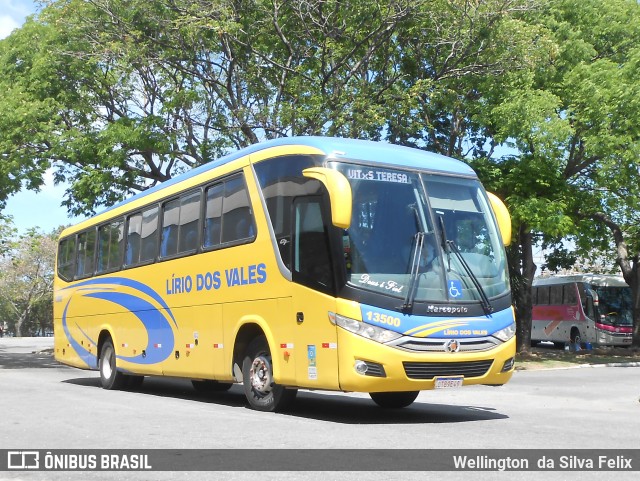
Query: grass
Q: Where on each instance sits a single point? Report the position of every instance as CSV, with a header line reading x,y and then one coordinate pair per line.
x,y
549,358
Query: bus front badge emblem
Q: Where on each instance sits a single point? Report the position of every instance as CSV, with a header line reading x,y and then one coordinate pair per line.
x,y
452,346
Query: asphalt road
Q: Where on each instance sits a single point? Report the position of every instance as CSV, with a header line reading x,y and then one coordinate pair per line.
x,y
48,406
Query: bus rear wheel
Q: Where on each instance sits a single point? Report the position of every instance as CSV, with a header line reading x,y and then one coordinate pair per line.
x,y
394,400
260,388
110,377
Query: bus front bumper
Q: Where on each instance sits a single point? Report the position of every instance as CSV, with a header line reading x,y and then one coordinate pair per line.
x,y
368,366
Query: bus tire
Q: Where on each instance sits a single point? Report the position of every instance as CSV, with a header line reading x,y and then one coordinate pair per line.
x,y
110,377
575,339
394,400
206,386
260,389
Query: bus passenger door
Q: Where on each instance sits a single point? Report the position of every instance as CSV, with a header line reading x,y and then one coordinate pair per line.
x,y
312,295
591,308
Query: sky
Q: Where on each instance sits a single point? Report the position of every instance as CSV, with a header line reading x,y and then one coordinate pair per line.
x,y
32,209
41,209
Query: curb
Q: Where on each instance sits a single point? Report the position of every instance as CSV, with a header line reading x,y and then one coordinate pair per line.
x,y
584,366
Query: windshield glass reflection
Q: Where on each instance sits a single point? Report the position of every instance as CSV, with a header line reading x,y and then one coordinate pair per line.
x,y
615,306
397,242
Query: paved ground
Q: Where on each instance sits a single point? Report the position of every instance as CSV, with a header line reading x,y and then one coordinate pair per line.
x,y
49,406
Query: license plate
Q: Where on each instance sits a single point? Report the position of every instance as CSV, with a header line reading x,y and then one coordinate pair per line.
x,y
448,382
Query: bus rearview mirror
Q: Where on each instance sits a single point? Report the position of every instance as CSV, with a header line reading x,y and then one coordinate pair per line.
x,y
339,193
502,216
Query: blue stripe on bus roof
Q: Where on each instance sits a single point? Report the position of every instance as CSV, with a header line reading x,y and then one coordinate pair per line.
x,y
364,150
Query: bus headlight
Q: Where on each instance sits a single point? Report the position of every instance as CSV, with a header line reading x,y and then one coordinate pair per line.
x,y
506,333
365,330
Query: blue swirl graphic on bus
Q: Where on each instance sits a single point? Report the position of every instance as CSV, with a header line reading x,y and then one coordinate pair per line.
x,y
123,281
156,321
89,358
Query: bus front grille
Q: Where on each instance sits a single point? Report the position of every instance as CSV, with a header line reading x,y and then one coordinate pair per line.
x,y
438,345
429,370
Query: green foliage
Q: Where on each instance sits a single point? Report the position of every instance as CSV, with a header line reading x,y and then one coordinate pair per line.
x,y
559,258
26,282
119,95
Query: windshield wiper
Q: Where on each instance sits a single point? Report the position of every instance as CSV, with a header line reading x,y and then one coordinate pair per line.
x,y
484,299
415,272
450,246
444,241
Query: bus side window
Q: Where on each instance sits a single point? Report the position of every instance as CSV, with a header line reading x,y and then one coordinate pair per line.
x,y
228,217
555,295
170,222
213,216
66,251
543,295
149,235
237,222
189,217
110,243
281,181
311,254
86,253
132,250
570,297
586,298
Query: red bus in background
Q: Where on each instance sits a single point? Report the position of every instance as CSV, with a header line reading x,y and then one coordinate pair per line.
x,y
580,309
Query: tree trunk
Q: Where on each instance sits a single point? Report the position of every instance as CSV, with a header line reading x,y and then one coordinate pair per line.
x,y
522,279
633,279
19,322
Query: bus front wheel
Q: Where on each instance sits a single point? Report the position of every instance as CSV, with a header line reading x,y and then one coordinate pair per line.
x,y
394,400
110,377
260,388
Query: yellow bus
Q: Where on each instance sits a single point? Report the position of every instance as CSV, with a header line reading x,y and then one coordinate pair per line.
x,y
304,262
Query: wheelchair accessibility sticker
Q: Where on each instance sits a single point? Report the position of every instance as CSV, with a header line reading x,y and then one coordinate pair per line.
x,y
455,289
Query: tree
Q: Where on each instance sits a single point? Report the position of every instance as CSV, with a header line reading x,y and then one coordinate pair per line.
x,y
120,95
576,171
452,56
474,91
557,85
26,282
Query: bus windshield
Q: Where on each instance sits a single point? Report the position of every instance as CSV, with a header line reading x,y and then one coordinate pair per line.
x,y
422,237
615,305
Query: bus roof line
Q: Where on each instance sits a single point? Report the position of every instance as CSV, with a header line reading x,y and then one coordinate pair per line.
x,y
364,150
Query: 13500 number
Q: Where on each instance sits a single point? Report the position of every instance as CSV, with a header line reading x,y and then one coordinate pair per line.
x,y
383,319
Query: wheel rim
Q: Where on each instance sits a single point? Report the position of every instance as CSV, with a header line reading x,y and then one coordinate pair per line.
x,y
260,375
106,368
